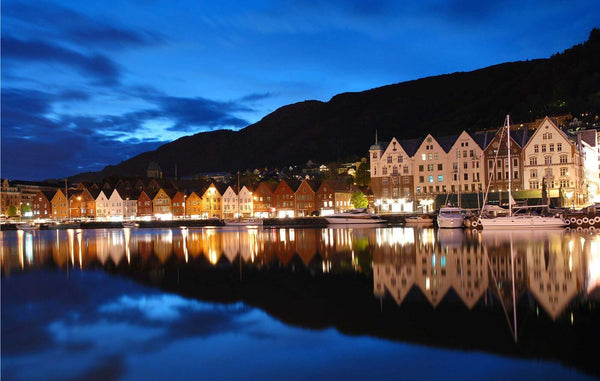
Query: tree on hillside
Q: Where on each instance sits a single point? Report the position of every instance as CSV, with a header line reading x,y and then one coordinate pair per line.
x,y
363,177
359,200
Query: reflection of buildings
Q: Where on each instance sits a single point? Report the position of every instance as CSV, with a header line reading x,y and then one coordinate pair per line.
x,y
435,264
554,268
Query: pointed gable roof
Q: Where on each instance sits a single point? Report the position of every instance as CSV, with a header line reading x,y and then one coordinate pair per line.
x,y
48,194
446,142
482,138
411,146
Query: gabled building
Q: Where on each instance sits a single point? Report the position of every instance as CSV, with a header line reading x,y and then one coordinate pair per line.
x,y
245,205
115,208
465,168
262,200
102,203
305,200
284,199
60,206
230,203
496,160
82,204
212,201
552,158
9,196
392,177
162,203
334,197
193,205
42,204
179,204
144,204
431,170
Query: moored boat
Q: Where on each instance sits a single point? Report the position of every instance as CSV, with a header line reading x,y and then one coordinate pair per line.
x,y
244,222
29,226
450,217
420,220
354,216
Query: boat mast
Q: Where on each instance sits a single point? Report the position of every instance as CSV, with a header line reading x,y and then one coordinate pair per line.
x,y
458,168
509,166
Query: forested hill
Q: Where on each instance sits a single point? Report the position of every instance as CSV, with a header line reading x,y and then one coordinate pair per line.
x,y
346,125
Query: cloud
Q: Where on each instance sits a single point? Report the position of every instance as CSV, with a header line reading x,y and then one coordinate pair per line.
x,y
32,124
97,65
69,26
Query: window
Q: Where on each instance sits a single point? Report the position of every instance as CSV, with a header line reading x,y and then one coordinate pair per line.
x,y
383,182
429,156
405,180
465,165
532,160
418,190
563,171
440,167
564,183
423,157
490,163
389,159
400,159
421,179
374,155
429,167
384,170
547,159
536,148
563,159
551,147
515,162
543,148
534,185
466,176
430,178
435,156
395,170
471,154
464,153
420,168
405,169
559,147
516,174
440,178
533,173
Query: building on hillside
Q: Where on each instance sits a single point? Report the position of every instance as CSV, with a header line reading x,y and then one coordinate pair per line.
x,y
154,171
82,204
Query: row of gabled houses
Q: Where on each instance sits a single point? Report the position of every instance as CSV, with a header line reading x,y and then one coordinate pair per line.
x,y
158,199
408,175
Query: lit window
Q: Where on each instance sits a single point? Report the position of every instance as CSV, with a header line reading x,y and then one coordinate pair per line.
x,y
430,178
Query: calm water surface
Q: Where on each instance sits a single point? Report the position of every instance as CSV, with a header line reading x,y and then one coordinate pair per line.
x,y
368,303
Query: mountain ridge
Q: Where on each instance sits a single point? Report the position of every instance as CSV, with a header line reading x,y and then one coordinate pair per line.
x,y
345,125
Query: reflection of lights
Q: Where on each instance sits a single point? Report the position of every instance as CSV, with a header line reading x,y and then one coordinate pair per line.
x,y
20,248
427,283
594,263
184,236
126,235
71,245
79,234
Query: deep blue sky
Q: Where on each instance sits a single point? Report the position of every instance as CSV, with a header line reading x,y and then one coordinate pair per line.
x,y
87,84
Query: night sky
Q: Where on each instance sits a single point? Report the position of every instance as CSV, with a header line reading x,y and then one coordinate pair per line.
x,y
88,84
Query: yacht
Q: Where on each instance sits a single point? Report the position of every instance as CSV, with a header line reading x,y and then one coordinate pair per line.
x,y
354,216
519,221
450,217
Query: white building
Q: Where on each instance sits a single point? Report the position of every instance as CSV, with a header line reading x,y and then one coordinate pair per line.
x,y
102,205
230,203
245,205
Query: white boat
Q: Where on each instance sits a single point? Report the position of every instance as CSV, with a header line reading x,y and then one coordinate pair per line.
x,y
518,221
450,217
244,222
28,226
130,224
354,216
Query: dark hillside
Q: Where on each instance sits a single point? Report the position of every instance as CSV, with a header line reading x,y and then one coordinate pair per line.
x,y
346,125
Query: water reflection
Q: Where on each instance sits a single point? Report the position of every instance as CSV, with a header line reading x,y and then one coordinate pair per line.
x,y
550,267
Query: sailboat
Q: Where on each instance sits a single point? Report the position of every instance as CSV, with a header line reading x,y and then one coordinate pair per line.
x,y
518,221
